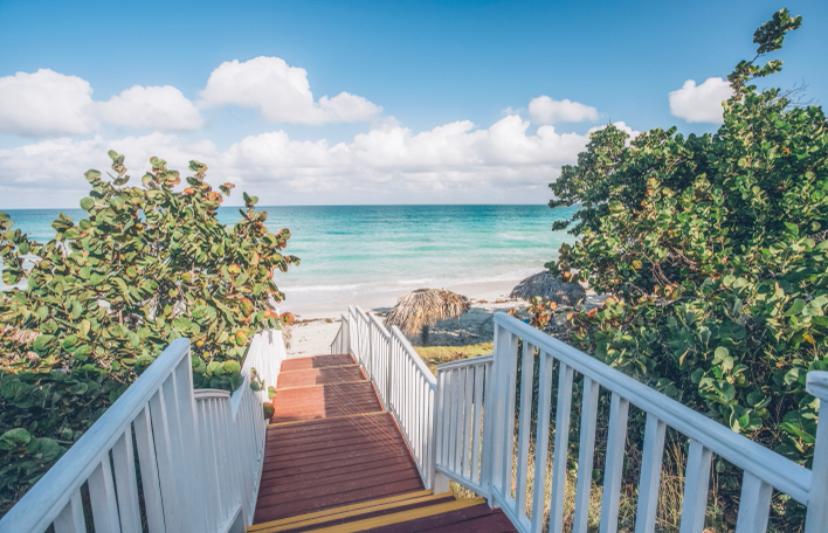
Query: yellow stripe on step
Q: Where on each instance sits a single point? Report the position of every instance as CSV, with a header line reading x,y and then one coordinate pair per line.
x,y
402,516
266,526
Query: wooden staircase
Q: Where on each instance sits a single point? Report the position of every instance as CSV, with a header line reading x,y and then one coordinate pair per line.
x,y
335,461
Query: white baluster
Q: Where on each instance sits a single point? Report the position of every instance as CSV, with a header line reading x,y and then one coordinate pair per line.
x,y
439,413
164,450
468,427
71,519
696,484
461,420
586,454
525,419
616,440
563,412
102,498
150,484
541,439
754,505
126,483
479,375
649,483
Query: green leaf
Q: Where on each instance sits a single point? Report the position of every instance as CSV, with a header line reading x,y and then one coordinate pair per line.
x,y
15,438
42,343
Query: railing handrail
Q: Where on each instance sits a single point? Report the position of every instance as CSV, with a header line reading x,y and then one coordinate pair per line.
x,y
78,463
767,465
414,356
166,442
378,323
469,361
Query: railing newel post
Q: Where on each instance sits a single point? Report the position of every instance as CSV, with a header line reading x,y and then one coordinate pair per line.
x,y
816,520
491,388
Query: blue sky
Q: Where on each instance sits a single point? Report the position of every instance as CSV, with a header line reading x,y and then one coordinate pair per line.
x,y
424,64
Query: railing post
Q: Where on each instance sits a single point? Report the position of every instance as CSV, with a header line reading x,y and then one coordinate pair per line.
x,y
439,481
388,359
346,334
816,520
490,404
370,336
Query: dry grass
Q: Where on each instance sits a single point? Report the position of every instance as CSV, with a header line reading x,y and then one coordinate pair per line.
x,y
668,515
437,355
421,308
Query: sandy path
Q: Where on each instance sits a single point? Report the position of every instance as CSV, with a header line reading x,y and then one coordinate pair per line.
x,y
312,337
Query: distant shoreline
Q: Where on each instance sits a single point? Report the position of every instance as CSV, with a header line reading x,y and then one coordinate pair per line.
x,y
481,293
268,206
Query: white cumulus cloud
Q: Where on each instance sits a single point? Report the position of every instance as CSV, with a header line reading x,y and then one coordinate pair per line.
x,y
700,103
45,102
281,93
507,160
545,110
161,107
48,103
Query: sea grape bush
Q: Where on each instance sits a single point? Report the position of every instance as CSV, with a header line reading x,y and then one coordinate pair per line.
x,y
713,250
93,306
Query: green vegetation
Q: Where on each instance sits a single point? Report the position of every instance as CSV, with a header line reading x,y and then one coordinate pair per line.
x,y
713,249
95,304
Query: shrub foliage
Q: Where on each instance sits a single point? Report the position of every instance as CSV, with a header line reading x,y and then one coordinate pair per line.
x,y
93,306
713,250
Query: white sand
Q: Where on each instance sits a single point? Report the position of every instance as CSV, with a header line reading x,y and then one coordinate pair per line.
x,y
333,302
312,337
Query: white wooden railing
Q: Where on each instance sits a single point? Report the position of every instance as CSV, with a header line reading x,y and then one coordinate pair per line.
x,y
404,383
485,425
461,390
163,457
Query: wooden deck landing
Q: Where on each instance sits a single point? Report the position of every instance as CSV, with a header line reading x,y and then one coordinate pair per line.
x,y
335,460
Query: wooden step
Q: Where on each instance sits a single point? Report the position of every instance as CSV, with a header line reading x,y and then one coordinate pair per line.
x,y
319,376
313,425
316,361
352,512
322,401
318,464
472,519
401,517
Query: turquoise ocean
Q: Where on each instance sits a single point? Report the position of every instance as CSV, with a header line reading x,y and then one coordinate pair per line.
x,y
370,255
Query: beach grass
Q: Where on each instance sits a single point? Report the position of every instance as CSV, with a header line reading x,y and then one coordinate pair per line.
x,y
437,355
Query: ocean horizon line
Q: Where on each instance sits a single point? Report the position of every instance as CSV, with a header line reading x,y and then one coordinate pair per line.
x,y
265,206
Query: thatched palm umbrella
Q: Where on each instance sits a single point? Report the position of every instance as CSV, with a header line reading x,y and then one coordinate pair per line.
x,y
419,309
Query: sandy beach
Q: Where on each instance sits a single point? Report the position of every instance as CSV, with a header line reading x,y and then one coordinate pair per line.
x,y
313,335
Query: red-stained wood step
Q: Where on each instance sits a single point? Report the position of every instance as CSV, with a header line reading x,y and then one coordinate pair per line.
x,y
322,401
319,376
331,444
265,513
471,519
319,361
